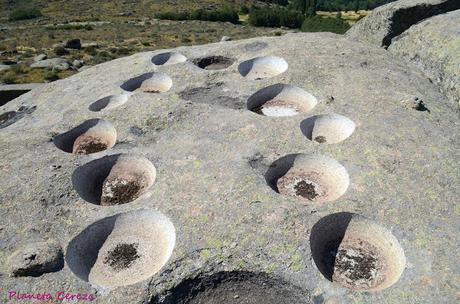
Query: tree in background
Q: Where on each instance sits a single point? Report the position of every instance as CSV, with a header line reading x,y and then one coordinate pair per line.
x,y
307,7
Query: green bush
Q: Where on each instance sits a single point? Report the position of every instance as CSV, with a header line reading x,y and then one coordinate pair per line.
x,y
90,50
51,76
19,69
275,17
60,51
123,51
9,78
71,27
224,15
244,9
318,24
25,13
103,56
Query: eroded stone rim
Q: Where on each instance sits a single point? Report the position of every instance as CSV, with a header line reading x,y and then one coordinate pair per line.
x,y
152,82
342,239
152,232
311,178
168,58
327,128
262,67
245,283
281,100
115,179
91,136
109,102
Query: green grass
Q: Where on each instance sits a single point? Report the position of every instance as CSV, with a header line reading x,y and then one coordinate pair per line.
x,y
24,14
320,24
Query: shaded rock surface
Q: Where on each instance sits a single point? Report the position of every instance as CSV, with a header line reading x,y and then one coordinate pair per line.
x,y
425,32
391,20
434,46
72,44
35,259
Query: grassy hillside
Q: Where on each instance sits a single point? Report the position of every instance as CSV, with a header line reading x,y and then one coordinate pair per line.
x,y
114,28
108,9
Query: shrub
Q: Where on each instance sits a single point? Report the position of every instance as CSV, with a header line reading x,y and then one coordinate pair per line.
x,y
9,78
275,17
51,76
244,9
123,51
103,56
19,69
91,50
60,51
224,15
25,13
318,24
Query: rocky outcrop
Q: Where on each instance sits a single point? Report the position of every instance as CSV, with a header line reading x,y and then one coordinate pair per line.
x,y
221,159
59,64
11,91
434,46
425,32
391,20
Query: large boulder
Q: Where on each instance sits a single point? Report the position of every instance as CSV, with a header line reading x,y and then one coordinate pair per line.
x,y
219,159
389,21
59,64
434,46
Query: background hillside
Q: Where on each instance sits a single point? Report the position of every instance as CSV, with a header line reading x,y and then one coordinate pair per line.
x,y
109,29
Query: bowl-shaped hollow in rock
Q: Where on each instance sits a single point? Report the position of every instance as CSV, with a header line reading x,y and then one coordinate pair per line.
x,y
122,249
262,67
281,100
355,252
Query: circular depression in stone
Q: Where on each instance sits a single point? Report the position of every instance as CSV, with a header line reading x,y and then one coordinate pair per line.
x,y
213,62
356,252
114,180
234,287
168,58
262,67
312,178
122,249
148,83
328,128
280,100
109,102
94,135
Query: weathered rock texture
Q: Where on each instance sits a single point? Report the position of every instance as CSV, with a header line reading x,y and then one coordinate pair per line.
x,y
391,20
434,46
422,31
214,160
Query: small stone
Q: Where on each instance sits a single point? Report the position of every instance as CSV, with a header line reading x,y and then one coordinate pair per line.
x,y
35,259
90,44
77,63
73,44
40,57
59,64
4,67
225,38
